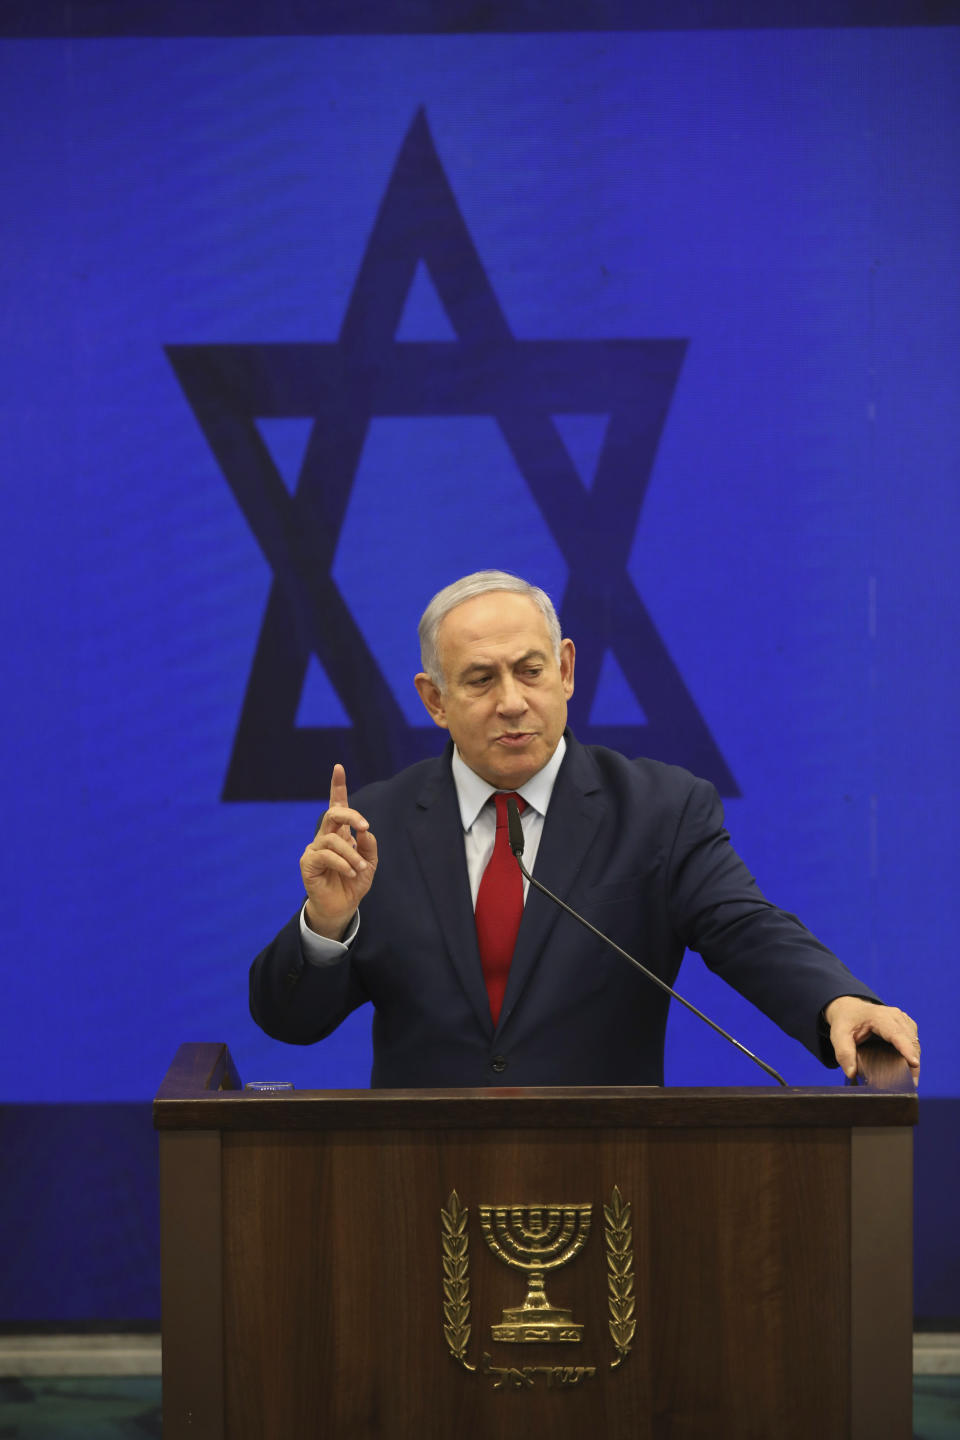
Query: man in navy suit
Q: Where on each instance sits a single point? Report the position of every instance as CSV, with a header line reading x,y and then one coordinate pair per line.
x,y
636,846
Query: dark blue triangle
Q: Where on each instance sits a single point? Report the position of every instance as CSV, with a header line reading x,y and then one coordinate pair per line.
x,y
320,705
614,702
424,317
287,440
583,436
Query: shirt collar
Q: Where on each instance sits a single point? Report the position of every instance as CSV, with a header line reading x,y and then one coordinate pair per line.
x,y
473,793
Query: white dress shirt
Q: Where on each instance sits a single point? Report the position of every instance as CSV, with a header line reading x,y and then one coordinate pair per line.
x,y
479,822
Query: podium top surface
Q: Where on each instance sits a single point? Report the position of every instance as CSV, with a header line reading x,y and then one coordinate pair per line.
x,y
201,1091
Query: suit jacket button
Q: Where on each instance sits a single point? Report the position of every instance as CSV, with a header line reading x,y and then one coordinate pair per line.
x,y
499,1064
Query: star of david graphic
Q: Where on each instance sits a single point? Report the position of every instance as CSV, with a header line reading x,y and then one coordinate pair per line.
x,y
339,387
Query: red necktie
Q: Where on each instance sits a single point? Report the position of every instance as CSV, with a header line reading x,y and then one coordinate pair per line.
x,y
499,908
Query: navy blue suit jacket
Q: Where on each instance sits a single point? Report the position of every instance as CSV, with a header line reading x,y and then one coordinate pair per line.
x,y
638,847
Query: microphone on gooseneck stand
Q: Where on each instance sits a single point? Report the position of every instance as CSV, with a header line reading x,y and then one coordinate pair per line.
x,y
515,830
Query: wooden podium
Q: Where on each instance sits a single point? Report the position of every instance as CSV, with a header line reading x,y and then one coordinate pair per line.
x,y
478,1264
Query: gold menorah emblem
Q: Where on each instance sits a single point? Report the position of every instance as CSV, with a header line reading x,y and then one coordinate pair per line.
x,y
536,1238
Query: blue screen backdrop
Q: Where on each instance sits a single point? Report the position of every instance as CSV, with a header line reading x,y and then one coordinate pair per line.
x,y
296,330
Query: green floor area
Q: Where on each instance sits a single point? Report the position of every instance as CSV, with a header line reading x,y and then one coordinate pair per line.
x,y
936,1407
128,1408
118,1407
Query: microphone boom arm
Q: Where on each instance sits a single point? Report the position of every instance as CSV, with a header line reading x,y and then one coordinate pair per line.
x,y
516,845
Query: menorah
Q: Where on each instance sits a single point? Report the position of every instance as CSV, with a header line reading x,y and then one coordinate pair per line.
x,y
549,1236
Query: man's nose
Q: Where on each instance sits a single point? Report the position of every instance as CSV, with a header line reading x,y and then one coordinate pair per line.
x,y
511,700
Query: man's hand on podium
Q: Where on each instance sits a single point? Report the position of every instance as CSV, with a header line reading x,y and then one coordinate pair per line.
x,y
339,864
852,1020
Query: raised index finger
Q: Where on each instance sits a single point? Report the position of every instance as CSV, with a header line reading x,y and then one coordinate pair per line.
x,y
338,786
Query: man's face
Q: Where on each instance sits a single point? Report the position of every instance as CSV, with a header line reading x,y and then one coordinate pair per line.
x,y
504,698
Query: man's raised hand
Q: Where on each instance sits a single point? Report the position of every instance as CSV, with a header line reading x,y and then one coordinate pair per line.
x,y
339,864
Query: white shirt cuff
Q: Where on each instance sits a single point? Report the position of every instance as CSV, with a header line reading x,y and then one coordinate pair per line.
x,y
321,951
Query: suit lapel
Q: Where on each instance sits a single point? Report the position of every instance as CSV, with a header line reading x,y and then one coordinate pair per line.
x,y
436,833
572,821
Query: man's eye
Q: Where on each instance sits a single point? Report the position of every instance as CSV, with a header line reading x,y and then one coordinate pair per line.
x,y
532,671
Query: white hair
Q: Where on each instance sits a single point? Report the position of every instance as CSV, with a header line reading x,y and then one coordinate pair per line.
x,y
480,583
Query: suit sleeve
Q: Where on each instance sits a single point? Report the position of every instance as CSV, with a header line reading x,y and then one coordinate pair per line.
x,y
765,953
298,1002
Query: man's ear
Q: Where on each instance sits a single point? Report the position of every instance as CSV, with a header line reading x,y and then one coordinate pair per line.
x,y
432,697
568,656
